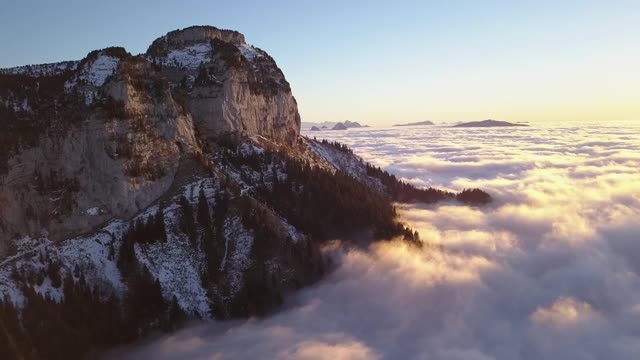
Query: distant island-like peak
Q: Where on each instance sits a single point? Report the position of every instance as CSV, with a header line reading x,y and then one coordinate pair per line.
x,y
339,126
420,123
327,125
488,123
353,124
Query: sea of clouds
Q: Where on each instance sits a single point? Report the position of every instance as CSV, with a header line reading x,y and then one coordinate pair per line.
x,y
550,270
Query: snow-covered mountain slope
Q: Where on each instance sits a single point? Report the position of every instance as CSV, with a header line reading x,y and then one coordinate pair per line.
x,y
92,74
178,262
345,161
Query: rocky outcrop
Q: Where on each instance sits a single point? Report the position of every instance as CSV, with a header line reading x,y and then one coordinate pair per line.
x,y
118,158
191,36
230,86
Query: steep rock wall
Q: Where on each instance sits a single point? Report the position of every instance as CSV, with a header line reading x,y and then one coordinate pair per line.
x,y
86,141
231,86
120,155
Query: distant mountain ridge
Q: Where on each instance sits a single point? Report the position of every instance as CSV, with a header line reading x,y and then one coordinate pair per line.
x,y
353,124
320,125
421,123
327,125
489,123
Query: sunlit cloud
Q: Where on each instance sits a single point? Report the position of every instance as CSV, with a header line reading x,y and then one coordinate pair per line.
x,y
333,349
564,312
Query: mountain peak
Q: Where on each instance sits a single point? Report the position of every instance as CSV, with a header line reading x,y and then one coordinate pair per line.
x,y
488,123
132,117
194,35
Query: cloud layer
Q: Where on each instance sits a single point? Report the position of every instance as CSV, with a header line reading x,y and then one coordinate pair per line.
x,y
551,270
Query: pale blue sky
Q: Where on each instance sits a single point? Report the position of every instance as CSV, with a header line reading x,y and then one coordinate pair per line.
x,y
383,61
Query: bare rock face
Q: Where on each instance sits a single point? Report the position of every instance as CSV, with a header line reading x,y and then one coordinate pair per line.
x,y
113,152
194,35
231,87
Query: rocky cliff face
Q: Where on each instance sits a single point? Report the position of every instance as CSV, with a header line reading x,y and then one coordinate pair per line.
x,y
113,151
231,87
87,141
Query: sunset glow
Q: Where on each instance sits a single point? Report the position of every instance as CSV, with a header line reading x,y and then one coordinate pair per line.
x,y
320,180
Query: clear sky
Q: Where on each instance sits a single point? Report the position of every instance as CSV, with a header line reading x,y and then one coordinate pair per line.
x,y
382,62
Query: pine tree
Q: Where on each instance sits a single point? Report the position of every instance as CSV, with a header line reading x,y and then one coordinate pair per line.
x,y
127,256
204,218
187,223
173,316
144,302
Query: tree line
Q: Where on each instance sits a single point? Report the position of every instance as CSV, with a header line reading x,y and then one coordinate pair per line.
x,y
401,191
86,320
319,202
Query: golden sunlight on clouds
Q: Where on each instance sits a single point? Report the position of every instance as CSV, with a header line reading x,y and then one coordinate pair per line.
x,y
427,268
338,349
456,227
412,266
565,311
174,344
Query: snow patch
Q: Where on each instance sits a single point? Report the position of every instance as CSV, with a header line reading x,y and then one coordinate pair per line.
x,y
248,148
189,57
9,289
100,70
93,75
249,52
96,256
177,268
240,240
94,211
24,247
29,244
175,263
192,191
46,289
